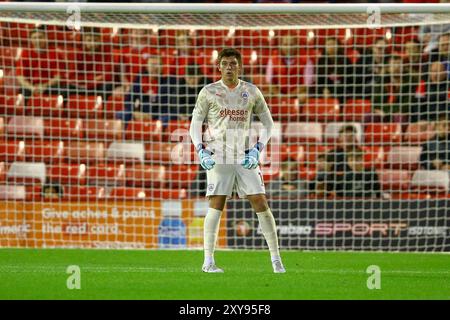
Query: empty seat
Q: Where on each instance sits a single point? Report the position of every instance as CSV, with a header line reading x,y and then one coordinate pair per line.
x,y
84,193
356,109
383,133
85,152
431,180
321,109
145,130
419,132
74,174
176,129
27,172
145,175
374,156
292,152
304,132
394,179
311,153
61,128
284,108
114,104
10,192
25,127
180,176
11,151
84,106
126,152
403,157
44,151
106,174
128,193
45,105
103,129
159,152
12,105
331,133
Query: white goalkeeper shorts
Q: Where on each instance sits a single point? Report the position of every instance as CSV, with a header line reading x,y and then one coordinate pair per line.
x,y
223,179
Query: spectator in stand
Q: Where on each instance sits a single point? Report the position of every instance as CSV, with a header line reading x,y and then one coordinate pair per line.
x,y
334,72
149,96
289,70
347,142
323,182
370,64
51,191
436,152
185,92
442,53
184,53
142,44
37,70
92,69
413,59
357,181
394,94
288,184
436,99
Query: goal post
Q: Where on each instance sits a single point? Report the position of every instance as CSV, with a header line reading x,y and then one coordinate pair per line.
x,y
95,107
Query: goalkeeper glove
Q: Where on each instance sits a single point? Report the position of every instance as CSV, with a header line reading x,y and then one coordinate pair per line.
x,y
251,160
206,161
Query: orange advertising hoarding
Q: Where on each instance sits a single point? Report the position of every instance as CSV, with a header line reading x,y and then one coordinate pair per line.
x,y
130,225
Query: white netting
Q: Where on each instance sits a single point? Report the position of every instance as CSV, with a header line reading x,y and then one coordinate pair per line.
x,y
94,148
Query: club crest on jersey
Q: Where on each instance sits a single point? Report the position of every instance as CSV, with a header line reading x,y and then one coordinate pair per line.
x,y
245,95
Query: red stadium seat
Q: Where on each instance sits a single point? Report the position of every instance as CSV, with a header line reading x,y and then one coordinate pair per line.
x,y
270,173
394,180
159,152
419,132
293,152
431,180
84,106
11,105
9,56
126,152
114,104
61,128
74,174
410,196
45,105
85,152
356,110
383,133
374,156
11,192
177,129
145,176
321,109
25,127
304,132
284,108
11,151
44,151
103,129
148,130
2,127
307,173
27,172
403,157
312,151
180,176
106,174
84,193
128,193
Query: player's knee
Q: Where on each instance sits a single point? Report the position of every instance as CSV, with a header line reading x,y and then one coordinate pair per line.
x,y
217,202
259,202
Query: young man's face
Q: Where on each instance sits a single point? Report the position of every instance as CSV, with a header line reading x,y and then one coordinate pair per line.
x,y
444,45
442,128
230,69
91,42
153,66
38,40
438,72
347,138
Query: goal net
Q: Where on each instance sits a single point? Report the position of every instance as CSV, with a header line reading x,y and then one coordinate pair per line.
x,y
95,108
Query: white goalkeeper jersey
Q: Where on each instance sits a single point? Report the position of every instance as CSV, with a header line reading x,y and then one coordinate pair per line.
x,y
228,114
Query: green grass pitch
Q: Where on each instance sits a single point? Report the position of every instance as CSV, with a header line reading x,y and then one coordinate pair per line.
x,y
161,275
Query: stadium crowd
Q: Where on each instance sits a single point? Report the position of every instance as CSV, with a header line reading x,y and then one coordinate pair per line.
x,y
402,73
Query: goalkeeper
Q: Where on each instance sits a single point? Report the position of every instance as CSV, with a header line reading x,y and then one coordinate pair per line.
x,y
228,106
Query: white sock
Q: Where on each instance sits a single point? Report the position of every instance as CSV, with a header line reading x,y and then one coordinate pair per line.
x,y
210,233
269,230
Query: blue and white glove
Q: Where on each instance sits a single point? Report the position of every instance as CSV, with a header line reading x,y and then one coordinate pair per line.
x,y
251,160
206,161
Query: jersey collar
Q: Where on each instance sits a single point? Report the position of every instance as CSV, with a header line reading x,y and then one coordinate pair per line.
x,y
224,85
